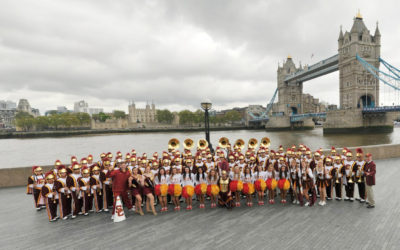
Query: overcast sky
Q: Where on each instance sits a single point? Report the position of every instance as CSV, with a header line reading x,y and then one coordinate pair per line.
x,y
176,53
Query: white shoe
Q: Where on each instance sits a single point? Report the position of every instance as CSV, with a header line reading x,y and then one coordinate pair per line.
x,y
105,210
320,203
65,218
73,216
86,214
307,203
52,220
132,209
297,202
294,202
323,203
112,217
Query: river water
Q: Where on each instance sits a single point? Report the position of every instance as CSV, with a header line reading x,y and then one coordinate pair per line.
x,y
44,151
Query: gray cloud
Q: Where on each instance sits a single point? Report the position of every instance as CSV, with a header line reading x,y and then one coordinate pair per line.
x,y
173,52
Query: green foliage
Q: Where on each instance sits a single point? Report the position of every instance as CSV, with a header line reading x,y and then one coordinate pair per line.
x,y
186,117
53,121
103,117
24,121
165,116
233,116
118,114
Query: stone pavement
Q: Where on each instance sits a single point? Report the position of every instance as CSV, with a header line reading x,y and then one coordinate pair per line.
x,y
339,225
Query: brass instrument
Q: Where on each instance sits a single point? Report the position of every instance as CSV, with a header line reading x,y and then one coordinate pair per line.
x,y
253,143
223,142
265,142
239,144
173,143
54,193
202,144
188,144
359,177
351,175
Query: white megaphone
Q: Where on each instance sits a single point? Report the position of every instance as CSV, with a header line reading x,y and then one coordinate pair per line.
x,y
119,214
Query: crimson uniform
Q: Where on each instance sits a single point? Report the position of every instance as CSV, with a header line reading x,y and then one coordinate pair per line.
x,y
34,187
120,186
86,194
73,185
64,196
98,192
50,200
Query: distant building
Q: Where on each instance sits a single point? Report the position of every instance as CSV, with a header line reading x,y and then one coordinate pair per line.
x,y
146,115
8,109
83,107
24,106
59,110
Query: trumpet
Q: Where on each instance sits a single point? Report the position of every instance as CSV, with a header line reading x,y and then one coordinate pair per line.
x,y
188,144
265,142
359,176
173,143
202,144
350,176
239,144
252,143
223,142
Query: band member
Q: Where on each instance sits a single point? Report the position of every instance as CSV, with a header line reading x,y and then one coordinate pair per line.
x,y
35,184
259,176
338,175
86,191
370,171
225,195
97,181
209,164
120,184
188,184
148,189
162,179
321,182
108,198
360,165
308,183
283,177
295,179
135,184
175,179
329,172
73,185
349,165
236,176
248,180
269,176
64,194
201,181
212,181
50,196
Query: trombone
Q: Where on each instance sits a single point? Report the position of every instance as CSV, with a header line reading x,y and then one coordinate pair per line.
x,y
223,142
173,143
202,144
252,143
188,144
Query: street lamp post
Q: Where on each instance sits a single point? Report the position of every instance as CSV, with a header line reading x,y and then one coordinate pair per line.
x,y
206,106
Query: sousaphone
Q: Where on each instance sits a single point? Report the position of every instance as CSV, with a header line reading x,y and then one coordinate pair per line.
x,y
173,143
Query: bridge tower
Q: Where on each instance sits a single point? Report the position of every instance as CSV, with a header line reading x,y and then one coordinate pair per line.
x,y
289,94
358,88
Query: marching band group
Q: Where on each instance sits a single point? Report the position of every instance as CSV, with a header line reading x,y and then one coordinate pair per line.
x,y
224,177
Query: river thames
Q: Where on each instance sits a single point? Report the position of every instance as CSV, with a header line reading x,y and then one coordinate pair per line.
x,y
44,151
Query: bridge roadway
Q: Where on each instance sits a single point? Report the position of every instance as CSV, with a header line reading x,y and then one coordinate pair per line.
x,y
340,225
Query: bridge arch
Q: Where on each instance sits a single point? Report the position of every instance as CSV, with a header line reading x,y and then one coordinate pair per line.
x,y
366,101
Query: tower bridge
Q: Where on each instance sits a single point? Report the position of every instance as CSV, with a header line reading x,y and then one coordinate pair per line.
x,y
358,62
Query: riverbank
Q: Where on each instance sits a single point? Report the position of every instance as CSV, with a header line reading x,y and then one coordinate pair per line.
x,y
12,177
71,133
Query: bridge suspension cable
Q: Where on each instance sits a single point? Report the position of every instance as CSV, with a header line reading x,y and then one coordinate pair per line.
x,y
264,115
391,80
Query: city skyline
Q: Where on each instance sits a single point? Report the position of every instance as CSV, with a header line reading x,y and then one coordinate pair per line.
x,y
175,54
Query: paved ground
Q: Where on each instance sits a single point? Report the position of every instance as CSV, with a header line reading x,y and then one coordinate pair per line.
x,y
340,225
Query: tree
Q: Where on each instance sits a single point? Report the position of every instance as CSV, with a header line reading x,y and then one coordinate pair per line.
x,y
165,116
118,114
103,117
186,117
84,118
199,116
233,116
42,122
24,120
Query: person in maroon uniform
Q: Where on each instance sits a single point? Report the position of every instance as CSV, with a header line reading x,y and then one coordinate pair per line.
x,y
86,191
97,181
120,178
73,185
64,194
370,171
50,196
35,184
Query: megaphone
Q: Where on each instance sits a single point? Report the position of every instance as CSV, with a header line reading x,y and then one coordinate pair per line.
x,y
119,214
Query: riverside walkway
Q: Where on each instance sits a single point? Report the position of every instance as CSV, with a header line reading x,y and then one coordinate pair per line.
x,y
339,225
